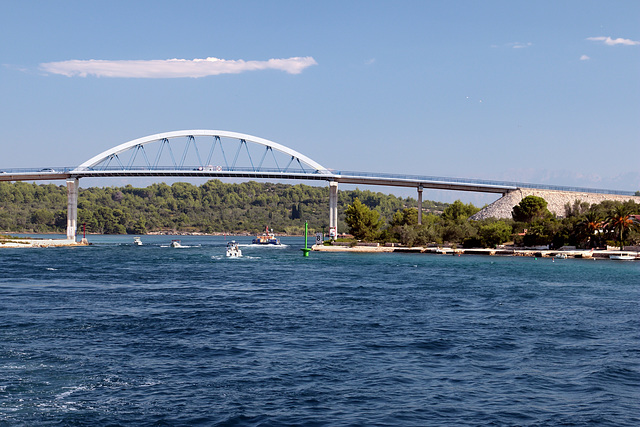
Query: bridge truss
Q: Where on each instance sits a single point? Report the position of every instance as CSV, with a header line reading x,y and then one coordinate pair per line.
x,y
199,152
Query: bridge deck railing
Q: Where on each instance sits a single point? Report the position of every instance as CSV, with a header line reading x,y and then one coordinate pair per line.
x,y
64,169
212,169
74,170
506,184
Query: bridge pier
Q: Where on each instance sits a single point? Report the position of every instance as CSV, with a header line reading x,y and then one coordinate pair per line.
x,y
72,208
420,188
333,209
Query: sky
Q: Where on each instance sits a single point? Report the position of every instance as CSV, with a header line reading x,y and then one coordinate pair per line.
x,y
532,91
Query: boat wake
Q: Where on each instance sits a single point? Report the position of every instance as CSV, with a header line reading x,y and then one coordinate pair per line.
x,y
256,245
223,257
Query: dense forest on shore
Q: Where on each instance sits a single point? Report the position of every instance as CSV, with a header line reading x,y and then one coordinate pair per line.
x,y
217,207
213,207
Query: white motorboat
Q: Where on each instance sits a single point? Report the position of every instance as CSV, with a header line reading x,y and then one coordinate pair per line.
x,y
137,241
561,256
176,244
233,251
622,257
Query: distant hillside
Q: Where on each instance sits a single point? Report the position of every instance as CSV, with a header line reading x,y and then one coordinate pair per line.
x,y
209,208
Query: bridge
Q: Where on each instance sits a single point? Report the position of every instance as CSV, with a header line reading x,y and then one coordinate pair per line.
x,y
224,154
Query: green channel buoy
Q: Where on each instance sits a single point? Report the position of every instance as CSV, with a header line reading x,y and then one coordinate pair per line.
x,y
306,249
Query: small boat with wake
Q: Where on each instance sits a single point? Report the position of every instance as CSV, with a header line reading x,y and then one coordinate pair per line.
x,y
137,241
176,244
266,238
233,251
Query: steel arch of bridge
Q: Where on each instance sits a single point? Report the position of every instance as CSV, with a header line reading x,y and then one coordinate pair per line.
x,y
104,160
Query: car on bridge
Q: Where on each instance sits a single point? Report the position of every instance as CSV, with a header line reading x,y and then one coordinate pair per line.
x,y
209,168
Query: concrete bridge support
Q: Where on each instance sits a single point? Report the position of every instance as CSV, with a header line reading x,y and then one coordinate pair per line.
x,y
420,188
72,208
333,209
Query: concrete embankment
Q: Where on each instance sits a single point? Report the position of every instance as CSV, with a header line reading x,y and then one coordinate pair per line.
x,y
322,248
557,200
546,253
40,243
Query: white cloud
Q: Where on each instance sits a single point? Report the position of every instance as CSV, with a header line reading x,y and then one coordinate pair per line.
x,y
512,45
584,58
173,68
612,42
518,45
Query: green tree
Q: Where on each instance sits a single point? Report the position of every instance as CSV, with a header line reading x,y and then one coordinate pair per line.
x,y
494,233
530,209
536,235
458,210
458,231
408,216
60,219
544,232
139,227
428,233
42,217
363,222
578,208
296,211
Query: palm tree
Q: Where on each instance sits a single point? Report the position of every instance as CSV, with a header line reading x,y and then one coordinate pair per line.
x,y
619,221
590,226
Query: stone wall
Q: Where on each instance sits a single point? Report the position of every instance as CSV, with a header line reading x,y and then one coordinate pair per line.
x,y
556,200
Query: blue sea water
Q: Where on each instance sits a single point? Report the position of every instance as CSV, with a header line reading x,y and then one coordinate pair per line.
x,y
115,334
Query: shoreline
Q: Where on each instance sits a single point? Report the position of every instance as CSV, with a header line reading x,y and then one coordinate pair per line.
x,y
545,253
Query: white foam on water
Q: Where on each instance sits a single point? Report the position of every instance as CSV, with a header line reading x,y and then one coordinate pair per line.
x,y
224,257
72,390
253,245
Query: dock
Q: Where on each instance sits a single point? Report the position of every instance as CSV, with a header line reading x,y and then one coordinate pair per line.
x,y
40,243
540,253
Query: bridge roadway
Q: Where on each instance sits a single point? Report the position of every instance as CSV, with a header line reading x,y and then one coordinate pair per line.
x,y
342,177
